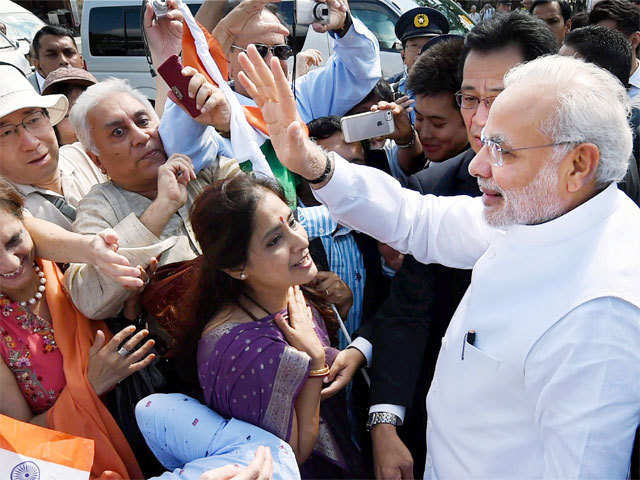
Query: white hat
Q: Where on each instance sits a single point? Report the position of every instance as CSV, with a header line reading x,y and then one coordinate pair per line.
x,y
16,93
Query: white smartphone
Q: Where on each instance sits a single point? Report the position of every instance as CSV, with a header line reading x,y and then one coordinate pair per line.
x,y
367,125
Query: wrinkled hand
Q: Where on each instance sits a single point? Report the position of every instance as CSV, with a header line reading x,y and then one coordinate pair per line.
x,y
107,367
165,33
103,255
404,132
173,177
210,100
260,468
337,15
246,16
298,328
334,290
392,257
271,91
342,371
392,460
306,60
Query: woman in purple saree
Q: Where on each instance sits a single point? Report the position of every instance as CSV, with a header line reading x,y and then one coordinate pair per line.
x,y
263,348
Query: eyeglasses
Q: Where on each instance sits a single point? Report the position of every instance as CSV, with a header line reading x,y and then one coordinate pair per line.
x,y
281,51
471,102
35,123
496,151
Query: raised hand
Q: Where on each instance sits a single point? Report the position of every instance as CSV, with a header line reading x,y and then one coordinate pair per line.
x,y
209,100
337,15
165,33
270,89
110,363
173,177
298,328
404,132
306,60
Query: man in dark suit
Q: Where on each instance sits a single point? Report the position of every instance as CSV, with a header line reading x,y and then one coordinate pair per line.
x,y
410,324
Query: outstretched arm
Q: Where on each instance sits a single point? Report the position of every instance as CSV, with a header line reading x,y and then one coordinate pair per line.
x,y
450,231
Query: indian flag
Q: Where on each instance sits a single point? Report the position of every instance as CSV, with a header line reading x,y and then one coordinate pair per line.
x,y
29,452
249,137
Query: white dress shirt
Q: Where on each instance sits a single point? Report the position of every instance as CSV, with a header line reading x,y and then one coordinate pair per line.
x,y
549,387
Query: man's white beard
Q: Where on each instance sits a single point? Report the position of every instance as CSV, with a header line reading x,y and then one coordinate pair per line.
x,y
532,204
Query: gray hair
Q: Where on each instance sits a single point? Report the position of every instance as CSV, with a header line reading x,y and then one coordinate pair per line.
x,y
91,97
592,107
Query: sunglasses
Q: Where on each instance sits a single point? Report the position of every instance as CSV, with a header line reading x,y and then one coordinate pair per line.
x,y
280,51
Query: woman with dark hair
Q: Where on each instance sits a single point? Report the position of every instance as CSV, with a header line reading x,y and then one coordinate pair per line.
x,y
55,364
264,349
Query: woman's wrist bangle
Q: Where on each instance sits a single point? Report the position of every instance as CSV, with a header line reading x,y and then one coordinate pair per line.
x,y
321,372
324,175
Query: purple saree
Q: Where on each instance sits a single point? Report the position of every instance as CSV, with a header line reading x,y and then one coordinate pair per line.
x,y
248,371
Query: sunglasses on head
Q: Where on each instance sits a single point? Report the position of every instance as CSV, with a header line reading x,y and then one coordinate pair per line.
x,y
280,51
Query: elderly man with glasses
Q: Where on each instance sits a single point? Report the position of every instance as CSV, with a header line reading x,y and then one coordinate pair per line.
x,y
536,376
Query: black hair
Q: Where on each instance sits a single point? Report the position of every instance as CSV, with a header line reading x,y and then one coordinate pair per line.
x,y
436,69
605,47
382,90
517,29
625,14
56,31
579,20
324,127
565,8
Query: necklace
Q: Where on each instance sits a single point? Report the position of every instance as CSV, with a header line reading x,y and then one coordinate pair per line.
x,y
39,291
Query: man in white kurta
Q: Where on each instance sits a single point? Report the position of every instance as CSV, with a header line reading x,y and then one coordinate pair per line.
x,y
548,387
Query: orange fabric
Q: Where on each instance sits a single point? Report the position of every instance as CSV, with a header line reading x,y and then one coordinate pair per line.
x,y
78,410
190,58
44,444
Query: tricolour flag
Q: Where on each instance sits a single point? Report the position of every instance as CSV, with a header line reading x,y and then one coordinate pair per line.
x,y
30,452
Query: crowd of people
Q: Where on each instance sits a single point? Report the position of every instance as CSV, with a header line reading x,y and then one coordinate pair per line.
x,y
248,294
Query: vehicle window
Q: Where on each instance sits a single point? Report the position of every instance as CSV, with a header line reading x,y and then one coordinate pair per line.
x,y
380,20
21,25
459,22
5,43
116,31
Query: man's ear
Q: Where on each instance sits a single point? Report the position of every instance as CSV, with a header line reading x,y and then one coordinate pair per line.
x,y
96,160
567,26
635,41
583,164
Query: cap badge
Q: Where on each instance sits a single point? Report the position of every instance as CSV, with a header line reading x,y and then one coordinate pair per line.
x,y
421,20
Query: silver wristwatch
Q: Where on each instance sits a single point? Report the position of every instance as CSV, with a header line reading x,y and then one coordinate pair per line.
x,y
382,417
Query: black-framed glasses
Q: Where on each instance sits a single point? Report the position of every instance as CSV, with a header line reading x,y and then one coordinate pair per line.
x,y
280,51
471,102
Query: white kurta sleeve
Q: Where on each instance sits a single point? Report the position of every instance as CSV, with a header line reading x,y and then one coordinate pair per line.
x,y
447,230
583,373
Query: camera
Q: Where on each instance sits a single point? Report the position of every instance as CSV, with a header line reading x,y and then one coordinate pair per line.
x,y
160,8
310,11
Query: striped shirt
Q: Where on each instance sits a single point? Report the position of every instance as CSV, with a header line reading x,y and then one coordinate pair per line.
x,y
343,256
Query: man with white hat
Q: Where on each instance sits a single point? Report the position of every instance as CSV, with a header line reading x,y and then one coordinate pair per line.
x,y
52,179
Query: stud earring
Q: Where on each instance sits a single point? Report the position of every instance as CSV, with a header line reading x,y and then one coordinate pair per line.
x,y
243,276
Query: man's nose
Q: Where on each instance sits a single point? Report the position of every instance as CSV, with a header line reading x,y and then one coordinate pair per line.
x,y
480,166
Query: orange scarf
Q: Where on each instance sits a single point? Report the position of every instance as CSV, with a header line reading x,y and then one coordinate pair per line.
x,y
78,410
190,58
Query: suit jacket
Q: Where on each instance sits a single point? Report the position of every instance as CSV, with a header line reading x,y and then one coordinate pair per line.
x,y
409,326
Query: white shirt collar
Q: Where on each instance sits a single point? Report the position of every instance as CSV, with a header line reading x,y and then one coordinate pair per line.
x,y
40,79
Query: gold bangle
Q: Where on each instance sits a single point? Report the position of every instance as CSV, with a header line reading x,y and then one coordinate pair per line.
x,y
321,372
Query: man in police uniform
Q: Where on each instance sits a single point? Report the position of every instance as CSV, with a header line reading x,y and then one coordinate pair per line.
x,y
414,28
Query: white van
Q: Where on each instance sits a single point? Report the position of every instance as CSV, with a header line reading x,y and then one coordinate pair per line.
x,y
112,42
